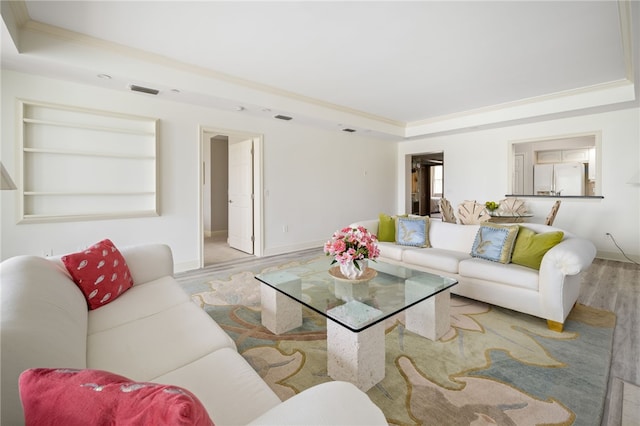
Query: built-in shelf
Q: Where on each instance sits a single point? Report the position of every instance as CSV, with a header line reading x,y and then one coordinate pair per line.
x,y
88,127
80,164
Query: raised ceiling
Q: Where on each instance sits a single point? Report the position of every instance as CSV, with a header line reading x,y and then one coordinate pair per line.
x,y
395,68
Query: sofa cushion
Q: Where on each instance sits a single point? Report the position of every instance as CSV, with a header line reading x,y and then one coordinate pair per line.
x,y
153,345
439,259
325,404
141,301
391,251
495,242
510,274
451,236
412,231
100,271
225,397
93,397
530,247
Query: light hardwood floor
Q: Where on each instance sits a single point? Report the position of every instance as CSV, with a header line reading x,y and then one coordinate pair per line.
x,y
615,286
216,250
607,284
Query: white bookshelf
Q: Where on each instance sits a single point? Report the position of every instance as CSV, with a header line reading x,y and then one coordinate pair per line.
x,y
82,164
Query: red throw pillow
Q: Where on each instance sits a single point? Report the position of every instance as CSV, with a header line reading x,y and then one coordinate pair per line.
x,y
92,397
101,273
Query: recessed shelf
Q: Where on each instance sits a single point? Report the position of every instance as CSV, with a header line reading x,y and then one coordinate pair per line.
x,y
86,153
88,127
83,164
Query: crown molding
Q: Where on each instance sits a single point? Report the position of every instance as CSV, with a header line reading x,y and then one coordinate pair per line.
x,y
561,102
626,35
115,48
20,12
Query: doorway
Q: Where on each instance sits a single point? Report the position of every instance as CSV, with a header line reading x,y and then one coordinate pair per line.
x,y
427,183
230,207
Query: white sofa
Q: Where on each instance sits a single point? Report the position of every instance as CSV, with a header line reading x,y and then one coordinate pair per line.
x,y
152,333
548,293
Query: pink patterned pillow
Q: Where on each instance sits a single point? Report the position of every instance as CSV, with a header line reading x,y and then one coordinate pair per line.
x,y
101,273
93,397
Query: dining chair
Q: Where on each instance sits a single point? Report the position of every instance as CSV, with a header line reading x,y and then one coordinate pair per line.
x,y
470,213
512,206
447,211
552,214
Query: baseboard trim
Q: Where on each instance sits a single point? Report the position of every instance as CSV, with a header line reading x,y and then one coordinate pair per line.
x,y
273,251
612,255
186,266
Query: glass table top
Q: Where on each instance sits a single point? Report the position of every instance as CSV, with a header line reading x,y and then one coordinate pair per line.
x,y
361,304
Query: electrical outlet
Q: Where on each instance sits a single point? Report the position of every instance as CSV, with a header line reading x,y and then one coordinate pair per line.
x,y
285,228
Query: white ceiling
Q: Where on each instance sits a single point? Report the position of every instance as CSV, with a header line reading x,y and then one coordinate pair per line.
x,y
397,63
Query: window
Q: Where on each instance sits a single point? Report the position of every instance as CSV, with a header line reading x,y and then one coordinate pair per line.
x,y
436,181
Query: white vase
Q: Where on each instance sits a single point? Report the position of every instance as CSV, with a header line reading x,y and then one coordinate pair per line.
x,y
350,271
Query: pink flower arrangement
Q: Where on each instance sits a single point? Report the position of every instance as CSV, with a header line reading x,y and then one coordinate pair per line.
x,y
351,245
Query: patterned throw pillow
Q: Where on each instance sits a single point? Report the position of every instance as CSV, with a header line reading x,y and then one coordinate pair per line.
x,y
101,273
412,231
93,397
495,242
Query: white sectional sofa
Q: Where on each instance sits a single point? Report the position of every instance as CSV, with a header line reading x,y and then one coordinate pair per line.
x,y
151,333
548,293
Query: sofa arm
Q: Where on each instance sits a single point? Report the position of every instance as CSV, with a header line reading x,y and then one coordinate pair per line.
x,y
570,257
148,262
331,403
558,281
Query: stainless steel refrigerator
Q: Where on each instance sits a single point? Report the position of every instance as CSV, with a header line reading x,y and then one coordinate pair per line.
x,y
558,179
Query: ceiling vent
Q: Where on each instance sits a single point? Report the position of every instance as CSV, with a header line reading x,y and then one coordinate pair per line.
x,y
349,130
283,117
142,89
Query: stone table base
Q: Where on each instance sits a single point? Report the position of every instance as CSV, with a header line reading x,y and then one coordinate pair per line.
x,y
358,358
280,313
430,318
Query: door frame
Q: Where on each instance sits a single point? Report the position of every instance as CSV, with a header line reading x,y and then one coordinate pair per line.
x,y
258,187
409,159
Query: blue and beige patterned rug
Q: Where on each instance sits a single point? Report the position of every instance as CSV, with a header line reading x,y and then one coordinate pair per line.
x,y
494,367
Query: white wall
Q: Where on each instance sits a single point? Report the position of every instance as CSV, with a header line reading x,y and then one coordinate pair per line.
x,y
315,181
477,167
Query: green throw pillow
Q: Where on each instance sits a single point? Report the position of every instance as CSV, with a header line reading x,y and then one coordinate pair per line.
x,y
386,228
531,247
495,242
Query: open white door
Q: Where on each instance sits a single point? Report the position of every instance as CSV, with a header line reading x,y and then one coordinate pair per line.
x,y
241,196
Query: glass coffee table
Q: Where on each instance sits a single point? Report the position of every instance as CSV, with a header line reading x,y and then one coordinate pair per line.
x,y
356,311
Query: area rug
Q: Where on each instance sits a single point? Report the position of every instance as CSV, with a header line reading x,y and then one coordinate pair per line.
x,y
494,367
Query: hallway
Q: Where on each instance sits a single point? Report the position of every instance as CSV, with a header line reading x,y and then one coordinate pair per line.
x,y
216,250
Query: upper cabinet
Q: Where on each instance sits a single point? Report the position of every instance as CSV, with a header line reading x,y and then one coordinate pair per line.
x,y
545,157
563,156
